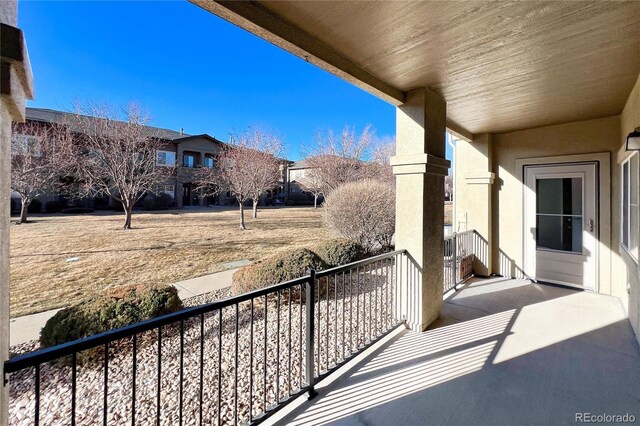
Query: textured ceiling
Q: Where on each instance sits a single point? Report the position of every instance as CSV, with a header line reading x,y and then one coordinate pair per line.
x,y
499,65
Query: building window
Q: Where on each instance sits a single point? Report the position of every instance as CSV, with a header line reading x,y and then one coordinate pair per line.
x,y
189,160
208,162
167,189
165,158
630,201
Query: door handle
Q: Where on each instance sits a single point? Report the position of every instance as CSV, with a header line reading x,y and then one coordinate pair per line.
x,y
590,225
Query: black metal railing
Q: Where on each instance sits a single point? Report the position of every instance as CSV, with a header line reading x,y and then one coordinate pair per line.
x,y
461,250
233,361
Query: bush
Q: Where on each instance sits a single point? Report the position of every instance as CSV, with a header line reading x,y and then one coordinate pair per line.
x,y
299,199
77,210
102,313
160,201
14,205
54,206
363,211
287,266
35,206
339,252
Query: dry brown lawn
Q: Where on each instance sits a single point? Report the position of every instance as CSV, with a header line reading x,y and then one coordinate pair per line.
x,y
162,248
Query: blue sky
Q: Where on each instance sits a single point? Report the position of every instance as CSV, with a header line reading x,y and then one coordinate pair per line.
x,y
189,68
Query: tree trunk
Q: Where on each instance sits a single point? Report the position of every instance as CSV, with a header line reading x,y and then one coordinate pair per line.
x,y
242,217
23,211
315,201
255,209
127,211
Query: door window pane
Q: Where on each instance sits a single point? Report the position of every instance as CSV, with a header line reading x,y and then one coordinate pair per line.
x,y
559,222
562,233
560,196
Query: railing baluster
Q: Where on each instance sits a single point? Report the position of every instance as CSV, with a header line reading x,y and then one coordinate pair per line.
x,y
201,389
36,415
350,312
357,308
235,369
407,313
335,318
289,349
134,369
219,367
251,363
319,325
159,385
376,307
264,361
385,303
181,384
310,308
369,284
74,374
326,348
300,381
344,314
106,383
454,262
278,348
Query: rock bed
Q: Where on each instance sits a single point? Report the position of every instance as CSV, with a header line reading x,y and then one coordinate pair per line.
x,y
357,310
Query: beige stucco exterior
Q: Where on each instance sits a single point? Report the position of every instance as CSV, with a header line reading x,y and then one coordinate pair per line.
x,y
503,155
420,167
629,291
591,140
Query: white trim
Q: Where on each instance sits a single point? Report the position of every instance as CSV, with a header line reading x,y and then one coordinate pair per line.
x,y
627,160
604,204
486,178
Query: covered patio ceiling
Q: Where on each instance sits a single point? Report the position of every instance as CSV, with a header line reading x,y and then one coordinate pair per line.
x,y
500,66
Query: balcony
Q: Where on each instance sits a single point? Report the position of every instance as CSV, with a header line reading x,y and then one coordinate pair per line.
x,y
504,352
232,361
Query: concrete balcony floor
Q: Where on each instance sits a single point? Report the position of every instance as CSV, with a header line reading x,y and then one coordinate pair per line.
x,y
504,352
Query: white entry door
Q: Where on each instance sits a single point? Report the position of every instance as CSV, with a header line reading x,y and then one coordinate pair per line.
x,y
561,224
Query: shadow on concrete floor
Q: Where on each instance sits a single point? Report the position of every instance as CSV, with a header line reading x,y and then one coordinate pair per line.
x,y
504,352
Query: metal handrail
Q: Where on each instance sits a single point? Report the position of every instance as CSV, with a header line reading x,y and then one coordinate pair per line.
x,y
90,342
310,282
49,354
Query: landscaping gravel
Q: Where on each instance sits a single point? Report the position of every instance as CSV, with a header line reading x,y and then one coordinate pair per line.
x,y
272,370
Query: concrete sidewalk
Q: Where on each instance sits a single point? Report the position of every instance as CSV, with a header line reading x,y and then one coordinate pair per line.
x,y
27,328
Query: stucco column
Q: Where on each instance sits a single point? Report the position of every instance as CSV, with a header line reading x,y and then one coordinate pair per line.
x,y
420,167
15,87
474,180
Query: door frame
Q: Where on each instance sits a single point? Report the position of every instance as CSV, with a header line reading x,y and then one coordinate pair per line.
x,y
531,249
603,206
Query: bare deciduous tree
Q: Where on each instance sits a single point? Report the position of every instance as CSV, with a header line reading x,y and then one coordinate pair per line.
x,y
37,160
448,188
247,168
340,159
380,166
115,154
312,183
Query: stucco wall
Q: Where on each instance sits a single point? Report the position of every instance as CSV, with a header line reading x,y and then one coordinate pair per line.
x,y
584,137
630,276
